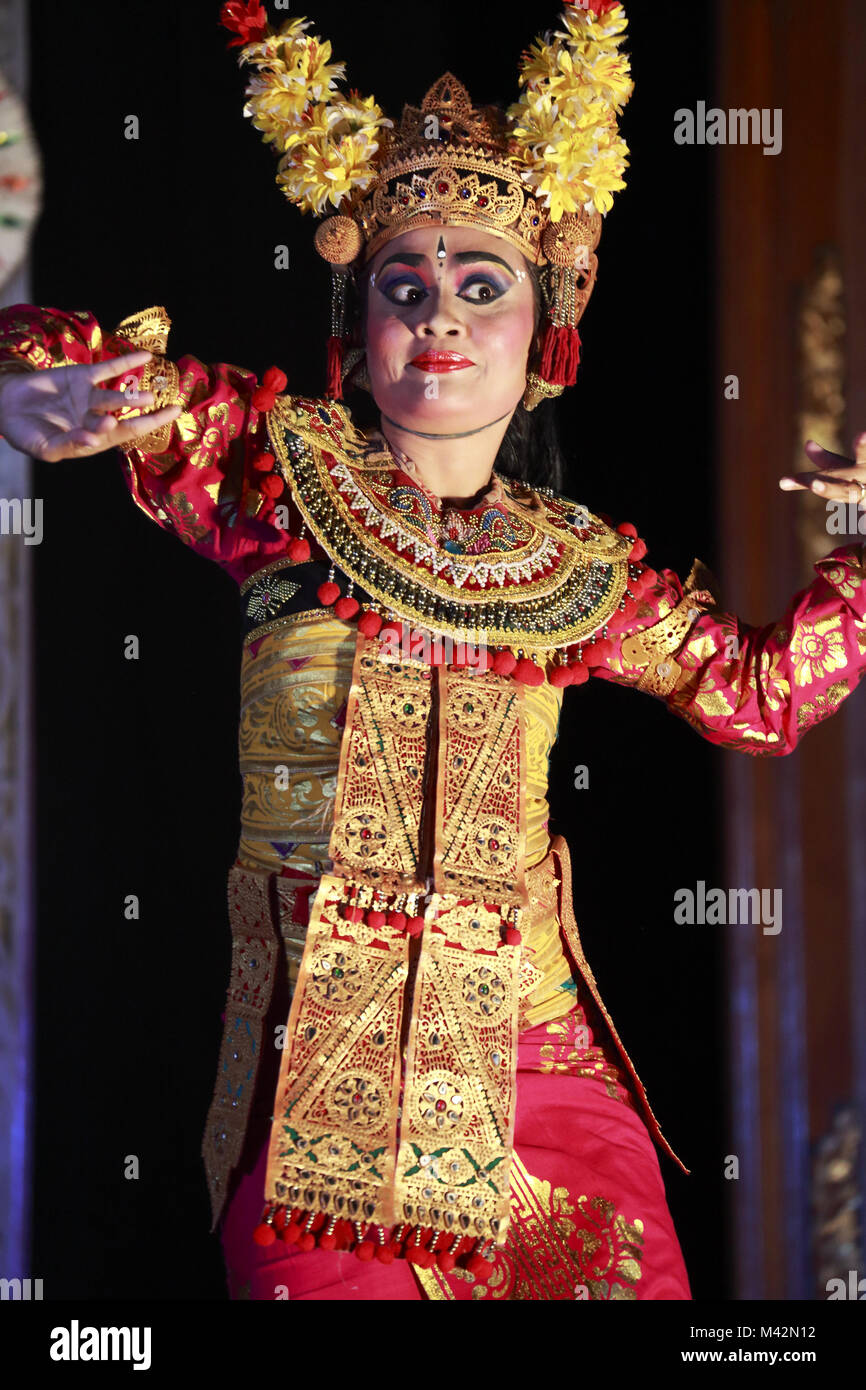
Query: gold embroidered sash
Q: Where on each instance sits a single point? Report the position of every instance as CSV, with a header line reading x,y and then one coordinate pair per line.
x,y
429,818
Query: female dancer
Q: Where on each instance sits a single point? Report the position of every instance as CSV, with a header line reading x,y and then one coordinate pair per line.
x,y
420,1092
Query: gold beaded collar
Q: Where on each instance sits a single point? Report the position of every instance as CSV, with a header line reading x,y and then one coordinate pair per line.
x,y
542,572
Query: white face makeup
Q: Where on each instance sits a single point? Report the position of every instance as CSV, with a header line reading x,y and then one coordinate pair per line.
x,y
450,320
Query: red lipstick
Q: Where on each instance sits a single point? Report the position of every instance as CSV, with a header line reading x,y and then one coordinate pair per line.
x,y
441,362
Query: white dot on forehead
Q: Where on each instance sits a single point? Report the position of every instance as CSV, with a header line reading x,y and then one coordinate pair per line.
x,y
440,249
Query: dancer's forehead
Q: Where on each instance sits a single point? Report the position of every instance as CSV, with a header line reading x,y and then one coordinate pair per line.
x,y
433,246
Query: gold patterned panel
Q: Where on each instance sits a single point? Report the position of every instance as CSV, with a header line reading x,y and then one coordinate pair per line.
x,y
333,1141
255,945
383,763
558,1248
457,1125
480,828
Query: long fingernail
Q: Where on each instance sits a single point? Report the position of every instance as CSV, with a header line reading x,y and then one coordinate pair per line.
x,y
819,487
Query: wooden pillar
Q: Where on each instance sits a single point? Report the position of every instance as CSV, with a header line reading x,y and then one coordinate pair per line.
x,y
791,327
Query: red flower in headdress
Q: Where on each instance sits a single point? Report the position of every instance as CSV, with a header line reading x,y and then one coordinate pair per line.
x,y
249,21
598,7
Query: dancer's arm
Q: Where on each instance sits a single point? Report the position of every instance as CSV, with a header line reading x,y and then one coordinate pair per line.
x,y
756,689
189,440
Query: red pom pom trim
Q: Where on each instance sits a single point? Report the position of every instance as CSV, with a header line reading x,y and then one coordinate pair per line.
x,y
328,593
299,550
527,672
369,624
598,653
504,663
560,677
275,380
271,485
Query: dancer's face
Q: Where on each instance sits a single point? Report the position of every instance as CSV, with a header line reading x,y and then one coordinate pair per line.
x,y
449,325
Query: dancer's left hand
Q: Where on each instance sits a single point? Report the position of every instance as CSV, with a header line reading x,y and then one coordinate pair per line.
x,y
838,479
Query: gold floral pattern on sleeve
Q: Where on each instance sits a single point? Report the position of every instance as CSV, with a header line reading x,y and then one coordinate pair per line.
x,y
757,689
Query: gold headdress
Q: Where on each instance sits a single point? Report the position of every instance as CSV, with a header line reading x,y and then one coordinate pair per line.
x,y
541,175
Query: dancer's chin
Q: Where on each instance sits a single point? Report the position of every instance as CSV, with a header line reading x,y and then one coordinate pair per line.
x,y
446,413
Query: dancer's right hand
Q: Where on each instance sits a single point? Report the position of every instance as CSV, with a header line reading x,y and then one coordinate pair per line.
x,y
61,412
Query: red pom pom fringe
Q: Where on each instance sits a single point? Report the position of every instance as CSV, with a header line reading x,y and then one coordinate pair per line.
x,y
299,550
328,593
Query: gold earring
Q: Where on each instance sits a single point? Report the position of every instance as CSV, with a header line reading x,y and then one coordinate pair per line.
x,y
538,390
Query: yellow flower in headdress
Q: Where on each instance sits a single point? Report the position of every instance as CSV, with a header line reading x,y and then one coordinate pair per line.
x,y
563,125
295,72
330,155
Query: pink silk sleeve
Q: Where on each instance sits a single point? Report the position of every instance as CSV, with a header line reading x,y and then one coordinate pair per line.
x,y
755,689
193,476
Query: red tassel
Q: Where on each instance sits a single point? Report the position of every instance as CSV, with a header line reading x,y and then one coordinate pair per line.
x,y
346,607
299,550
560,355
375,919
579,672
366,1250
512,937
385,1254
414,926
334,387
263,463
627,528
397,920
638,550
264,1234
560,677
328,593
446,1261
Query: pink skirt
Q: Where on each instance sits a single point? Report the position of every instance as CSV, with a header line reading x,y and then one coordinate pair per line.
x,y
589,1217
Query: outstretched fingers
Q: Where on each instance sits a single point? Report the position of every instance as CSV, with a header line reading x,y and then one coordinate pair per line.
x,y
839,478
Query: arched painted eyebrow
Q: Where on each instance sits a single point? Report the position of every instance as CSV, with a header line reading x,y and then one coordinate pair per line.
x,y
463,257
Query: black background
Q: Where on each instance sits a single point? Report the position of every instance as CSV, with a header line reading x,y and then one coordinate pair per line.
x,y
138,784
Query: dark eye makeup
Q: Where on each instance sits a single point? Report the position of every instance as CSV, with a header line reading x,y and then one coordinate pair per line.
x,y
406,287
